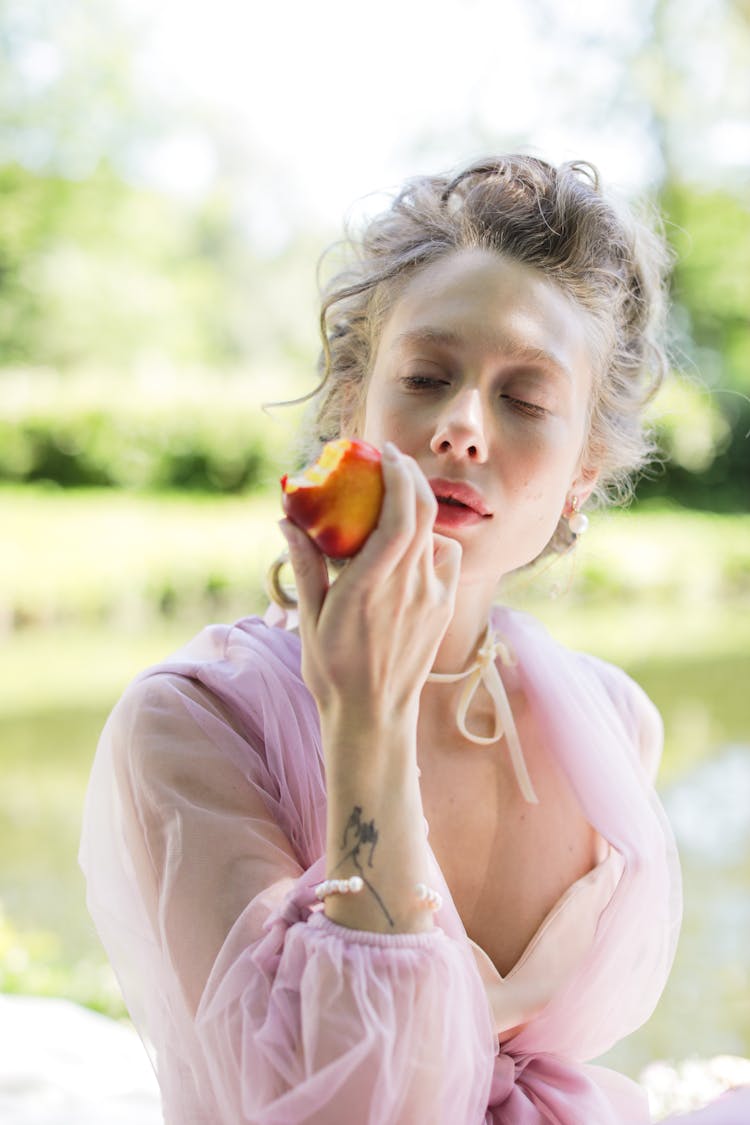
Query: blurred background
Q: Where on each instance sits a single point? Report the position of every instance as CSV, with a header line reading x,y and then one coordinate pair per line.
x,y
169,175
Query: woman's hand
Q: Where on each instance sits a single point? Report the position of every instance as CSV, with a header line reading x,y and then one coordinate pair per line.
x,y
370,639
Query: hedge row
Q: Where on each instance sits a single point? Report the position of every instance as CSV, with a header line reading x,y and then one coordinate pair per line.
x,y
212,445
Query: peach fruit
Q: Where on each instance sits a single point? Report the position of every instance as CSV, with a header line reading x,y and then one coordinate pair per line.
x,y
337,500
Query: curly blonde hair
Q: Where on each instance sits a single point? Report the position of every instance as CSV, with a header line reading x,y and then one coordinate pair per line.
x,y
557,219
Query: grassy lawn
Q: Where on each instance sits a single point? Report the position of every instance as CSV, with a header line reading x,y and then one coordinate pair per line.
x,y
96,555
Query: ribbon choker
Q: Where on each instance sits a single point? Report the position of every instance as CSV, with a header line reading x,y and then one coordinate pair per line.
x,y
484,670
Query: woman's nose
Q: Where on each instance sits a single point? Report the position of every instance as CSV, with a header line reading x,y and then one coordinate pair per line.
x,y
460,428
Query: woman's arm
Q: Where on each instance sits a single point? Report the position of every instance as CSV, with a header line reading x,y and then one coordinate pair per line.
x,y
368,644
256,1015
376,827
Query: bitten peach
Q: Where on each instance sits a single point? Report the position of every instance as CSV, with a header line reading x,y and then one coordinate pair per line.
x,y
337,500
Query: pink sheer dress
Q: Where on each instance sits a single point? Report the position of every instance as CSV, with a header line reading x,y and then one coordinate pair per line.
x,y
204,837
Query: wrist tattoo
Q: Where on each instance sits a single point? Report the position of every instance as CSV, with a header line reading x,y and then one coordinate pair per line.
x,y
359,835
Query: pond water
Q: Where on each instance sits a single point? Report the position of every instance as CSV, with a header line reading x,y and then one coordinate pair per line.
x,y
704,1010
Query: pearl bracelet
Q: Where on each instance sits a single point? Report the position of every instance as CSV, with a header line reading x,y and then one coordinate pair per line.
x,y
339,887
426,897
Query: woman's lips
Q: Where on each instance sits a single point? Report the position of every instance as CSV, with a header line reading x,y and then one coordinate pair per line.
x,y
459,503
456,515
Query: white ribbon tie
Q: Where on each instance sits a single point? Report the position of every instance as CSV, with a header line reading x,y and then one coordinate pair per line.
x,y
484,670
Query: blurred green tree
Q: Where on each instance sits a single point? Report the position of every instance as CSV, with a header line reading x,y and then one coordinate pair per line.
x,y
706,432
96,272
693,75
676,73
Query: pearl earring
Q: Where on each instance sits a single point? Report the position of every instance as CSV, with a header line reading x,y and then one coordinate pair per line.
x,y
577,521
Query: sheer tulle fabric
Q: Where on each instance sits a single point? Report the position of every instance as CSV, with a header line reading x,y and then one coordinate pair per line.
x,y
204,836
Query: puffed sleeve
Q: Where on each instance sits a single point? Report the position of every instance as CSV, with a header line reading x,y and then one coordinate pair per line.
x,y
254,1006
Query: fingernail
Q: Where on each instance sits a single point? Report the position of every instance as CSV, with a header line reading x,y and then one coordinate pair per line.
x,y
390,452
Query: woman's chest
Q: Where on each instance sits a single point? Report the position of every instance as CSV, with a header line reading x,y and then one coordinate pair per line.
x,y
506,862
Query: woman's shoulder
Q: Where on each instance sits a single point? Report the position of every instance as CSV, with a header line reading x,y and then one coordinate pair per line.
x,y
594,677
251,639
229,653
240,672
231,698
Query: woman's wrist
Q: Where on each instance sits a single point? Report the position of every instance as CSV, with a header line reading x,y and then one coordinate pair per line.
x,y
376,752
382,910
378,837
390,899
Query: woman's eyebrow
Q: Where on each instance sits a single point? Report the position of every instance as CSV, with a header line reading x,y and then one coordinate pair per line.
x,y
512,348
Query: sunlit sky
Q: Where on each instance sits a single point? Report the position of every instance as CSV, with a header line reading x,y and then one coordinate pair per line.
x,y
335,100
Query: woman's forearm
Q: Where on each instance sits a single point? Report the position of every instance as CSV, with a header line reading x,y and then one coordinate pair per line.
x,y
375,825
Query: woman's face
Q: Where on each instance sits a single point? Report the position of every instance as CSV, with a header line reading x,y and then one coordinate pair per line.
x,y
483,375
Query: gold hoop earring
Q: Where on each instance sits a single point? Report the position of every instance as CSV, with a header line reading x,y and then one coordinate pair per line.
x,y
274,589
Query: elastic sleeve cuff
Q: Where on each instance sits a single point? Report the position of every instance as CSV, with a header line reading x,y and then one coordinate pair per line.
x,y
425,938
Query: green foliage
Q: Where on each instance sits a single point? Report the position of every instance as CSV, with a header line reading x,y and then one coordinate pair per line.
x,y
723,485
711,235
703,435
210,438
33,963
704,427
97,271
209,454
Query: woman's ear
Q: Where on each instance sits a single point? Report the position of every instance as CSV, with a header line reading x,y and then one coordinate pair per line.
x,y
583,484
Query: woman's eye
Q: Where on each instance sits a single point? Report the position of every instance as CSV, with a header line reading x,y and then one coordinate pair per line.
x,y
423,382
532,409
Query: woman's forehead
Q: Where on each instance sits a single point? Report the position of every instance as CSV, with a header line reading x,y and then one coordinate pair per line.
x,y
481,300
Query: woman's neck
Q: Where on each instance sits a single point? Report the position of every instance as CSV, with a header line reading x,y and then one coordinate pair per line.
x,y
458,651
467,628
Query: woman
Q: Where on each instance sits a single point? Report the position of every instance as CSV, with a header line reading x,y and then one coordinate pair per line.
x,y
397,857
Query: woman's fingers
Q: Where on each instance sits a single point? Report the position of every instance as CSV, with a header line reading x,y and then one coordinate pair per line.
x,y
396,526
425,507
420,552
310,571
405,529
446,561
